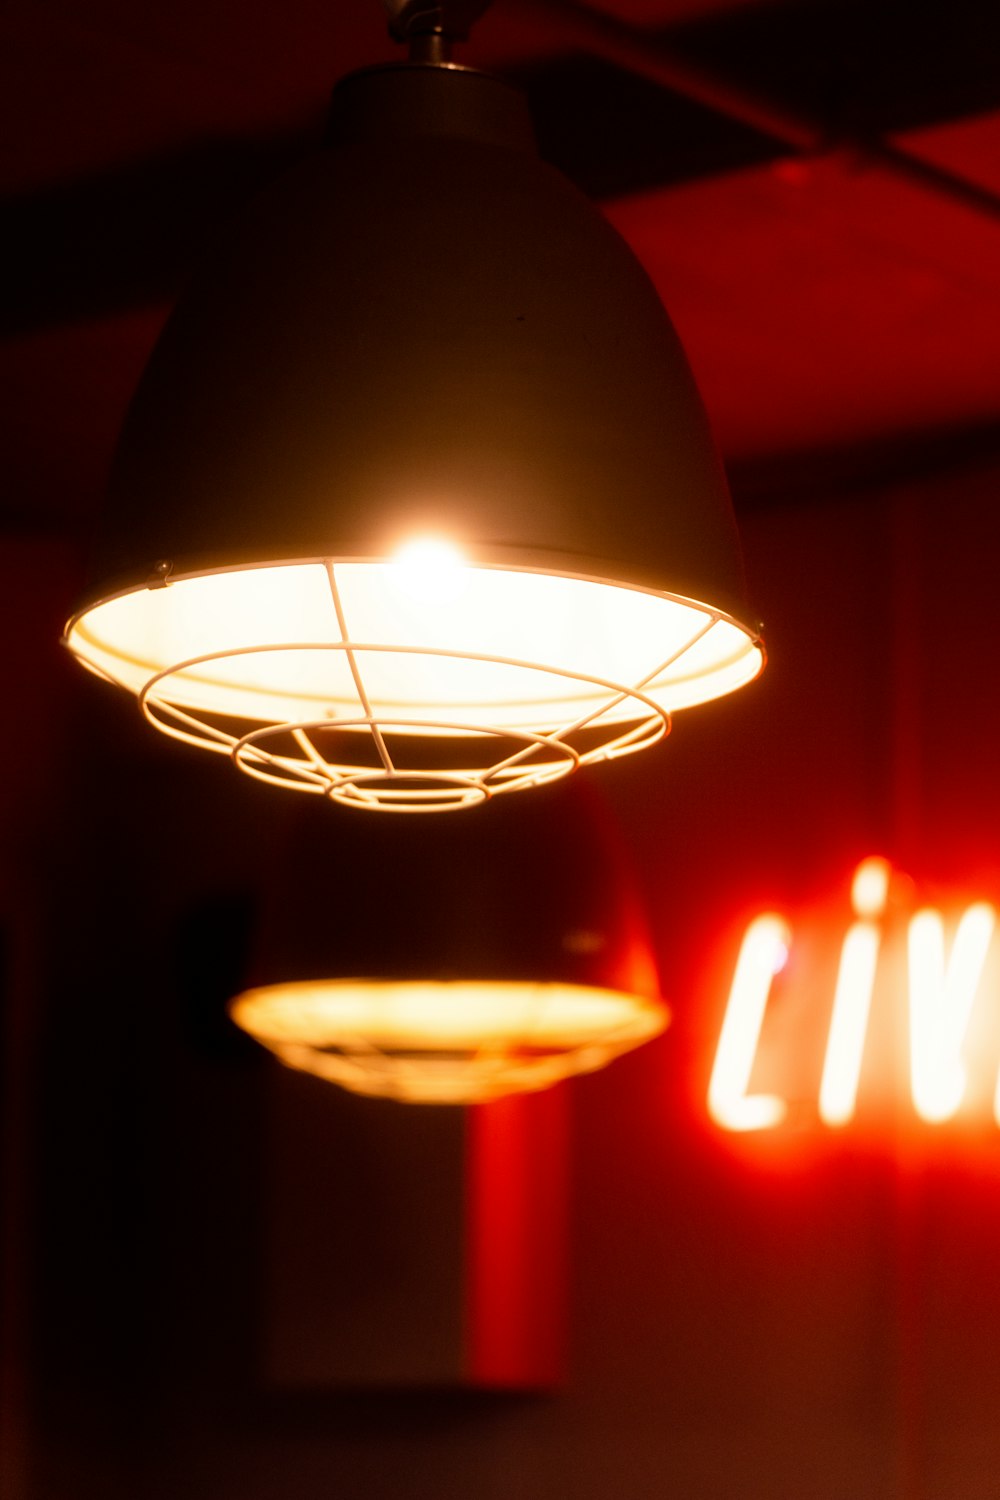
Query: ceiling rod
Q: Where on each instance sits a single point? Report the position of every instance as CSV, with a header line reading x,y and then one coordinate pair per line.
x,y
649,57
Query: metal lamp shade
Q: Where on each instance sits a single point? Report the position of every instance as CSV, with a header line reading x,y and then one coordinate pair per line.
x,y
422,339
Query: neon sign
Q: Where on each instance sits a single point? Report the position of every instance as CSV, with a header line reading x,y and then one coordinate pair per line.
x,y
940,980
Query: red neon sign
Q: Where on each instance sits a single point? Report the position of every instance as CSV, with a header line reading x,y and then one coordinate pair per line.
x,y
941,979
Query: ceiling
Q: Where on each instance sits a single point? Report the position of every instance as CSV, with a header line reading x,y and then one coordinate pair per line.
x,y
840,304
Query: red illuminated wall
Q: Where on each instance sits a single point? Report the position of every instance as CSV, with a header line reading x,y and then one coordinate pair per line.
x,y
832,1293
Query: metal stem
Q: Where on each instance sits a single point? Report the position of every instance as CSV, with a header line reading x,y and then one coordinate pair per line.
x,y
429,27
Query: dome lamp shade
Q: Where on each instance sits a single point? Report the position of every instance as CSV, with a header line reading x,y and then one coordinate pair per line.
x,y
417,502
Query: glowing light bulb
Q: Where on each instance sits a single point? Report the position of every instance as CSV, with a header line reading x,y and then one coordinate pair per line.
x,y
431,571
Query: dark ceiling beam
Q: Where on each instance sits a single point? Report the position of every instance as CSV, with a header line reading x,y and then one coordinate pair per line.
x,y
812,476
619,111
130,237
660,62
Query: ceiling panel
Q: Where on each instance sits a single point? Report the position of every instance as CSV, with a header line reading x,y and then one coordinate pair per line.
x,y
824,305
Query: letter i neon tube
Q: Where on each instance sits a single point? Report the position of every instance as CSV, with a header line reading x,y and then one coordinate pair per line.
x,y
853,996
942,993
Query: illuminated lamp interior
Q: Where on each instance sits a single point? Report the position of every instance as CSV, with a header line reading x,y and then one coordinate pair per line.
x,y
454,1042
417,683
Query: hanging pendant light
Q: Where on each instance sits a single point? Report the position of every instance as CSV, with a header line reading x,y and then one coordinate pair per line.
x,y
447,1042
440,964
417,502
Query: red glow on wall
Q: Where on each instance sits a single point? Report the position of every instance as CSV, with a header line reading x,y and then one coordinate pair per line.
x,y
516,1241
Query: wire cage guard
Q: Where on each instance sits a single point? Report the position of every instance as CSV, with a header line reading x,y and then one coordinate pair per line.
x,y
410,721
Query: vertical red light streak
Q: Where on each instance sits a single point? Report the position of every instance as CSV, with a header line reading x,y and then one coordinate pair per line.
x,y
516,1240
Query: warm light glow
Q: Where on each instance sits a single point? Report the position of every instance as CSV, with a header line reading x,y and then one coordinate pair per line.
x,y
762,955
942,993
431,571
456,1042
870,887
853,995
531,673
936,990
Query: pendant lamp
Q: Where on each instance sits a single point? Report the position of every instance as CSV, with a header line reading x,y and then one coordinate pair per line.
x,y
416,502
444,963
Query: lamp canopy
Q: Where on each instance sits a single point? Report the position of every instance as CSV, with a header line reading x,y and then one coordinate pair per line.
x,y
417,501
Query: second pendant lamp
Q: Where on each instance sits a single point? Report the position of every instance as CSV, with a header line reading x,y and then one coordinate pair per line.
x,y
446,963
417,501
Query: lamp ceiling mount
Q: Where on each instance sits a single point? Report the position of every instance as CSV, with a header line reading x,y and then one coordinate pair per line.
x,y
429,27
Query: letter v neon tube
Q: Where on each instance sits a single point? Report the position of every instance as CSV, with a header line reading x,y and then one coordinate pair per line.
x,y
941,999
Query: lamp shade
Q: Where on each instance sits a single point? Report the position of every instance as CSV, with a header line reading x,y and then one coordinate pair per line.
x,y
448,965
417,501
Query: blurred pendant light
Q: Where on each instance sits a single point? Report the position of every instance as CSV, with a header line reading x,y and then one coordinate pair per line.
x,y
416,502
449,1041
440,964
